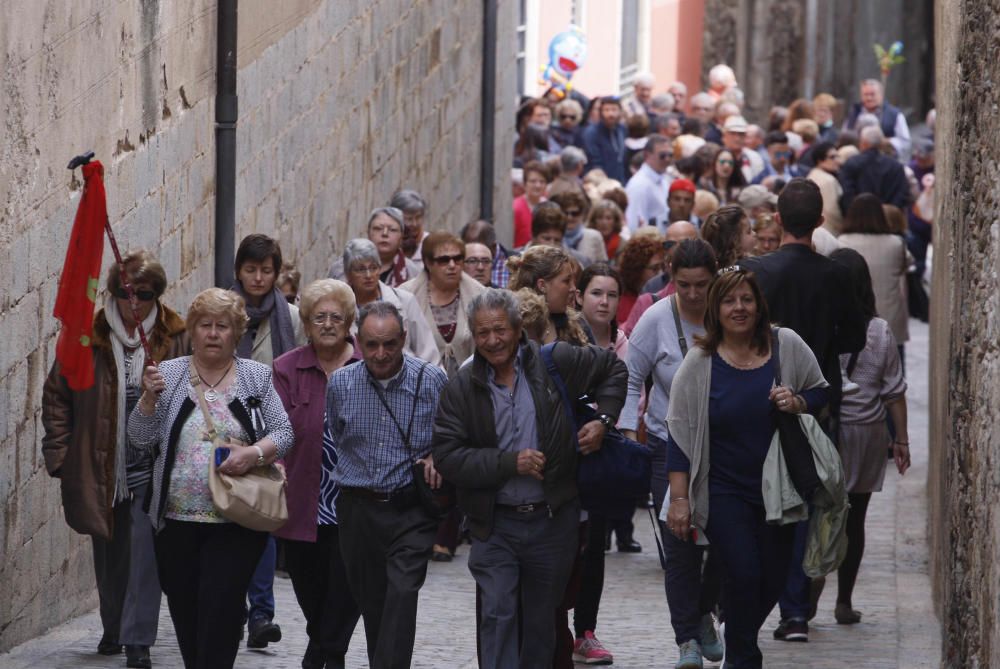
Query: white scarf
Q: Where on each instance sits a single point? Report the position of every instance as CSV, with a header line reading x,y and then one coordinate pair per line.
x,y
120,340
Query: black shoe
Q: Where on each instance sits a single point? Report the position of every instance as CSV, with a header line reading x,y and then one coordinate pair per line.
x,y
630,546
137,657
792,630
263,632
107,646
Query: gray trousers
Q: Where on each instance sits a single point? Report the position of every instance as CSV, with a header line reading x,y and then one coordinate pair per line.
x,y
125,569
385,552
526,560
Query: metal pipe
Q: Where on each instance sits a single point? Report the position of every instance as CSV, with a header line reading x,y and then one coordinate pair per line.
x,y
809,80
226,114
488,121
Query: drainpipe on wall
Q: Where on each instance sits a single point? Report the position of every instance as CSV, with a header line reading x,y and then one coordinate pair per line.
x,y
489,99
809,80
226,113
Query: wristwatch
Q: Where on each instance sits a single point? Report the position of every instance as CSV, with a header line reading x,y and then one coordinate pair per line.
x,y
606,420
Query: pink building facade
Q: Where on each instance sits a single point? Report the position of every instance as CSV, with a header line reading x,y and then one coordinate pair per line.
x,y
624,37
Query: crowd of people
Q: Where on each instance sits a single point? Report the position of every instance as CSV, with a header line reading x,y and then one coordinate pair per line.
x,y
689,273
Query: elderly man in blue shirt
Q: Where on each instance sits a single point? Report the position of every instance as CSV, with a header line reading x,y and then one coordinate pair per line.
x,y
502,437
380,416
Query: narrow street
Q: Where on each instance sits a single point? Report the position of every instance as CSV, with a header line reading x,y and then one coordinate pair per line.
x,y
893,592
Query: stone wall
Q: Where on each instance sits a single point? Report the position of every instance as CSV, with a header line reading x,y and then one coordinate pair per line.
x,y
341,103
965,371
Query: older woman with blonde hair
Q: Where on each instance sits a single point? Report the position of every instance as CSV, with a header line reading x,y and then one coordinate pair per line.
x,y
443,291
205,561
312,543
548,271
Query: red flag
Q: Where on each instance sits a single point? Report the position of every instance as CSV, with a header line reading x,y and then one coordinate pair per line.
x,y
79,282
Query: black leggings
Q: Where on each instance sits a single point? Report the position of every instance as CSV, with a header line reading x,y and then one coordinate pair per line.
x,y
848,572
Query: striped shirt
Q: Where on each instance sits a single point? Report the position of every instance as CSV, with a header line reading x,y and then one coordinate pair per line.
x,y
369,447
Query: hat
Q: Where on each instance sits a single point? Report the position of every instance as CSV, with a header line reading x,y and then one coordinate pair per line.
x,y
757,196
735,124
682,184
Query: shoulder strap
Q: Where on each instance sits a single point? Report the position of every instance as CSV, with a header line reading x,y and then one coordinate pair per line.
x,y
776,354
413,410
681,339
550,366
656,298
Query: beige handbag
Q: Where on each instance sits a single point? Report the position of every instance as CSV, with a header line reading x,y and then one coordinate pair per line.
x,y
255,500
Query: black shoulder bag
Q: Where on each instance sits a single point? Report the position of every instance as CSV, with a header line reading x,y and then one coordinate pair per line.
x,y
437,503
794,443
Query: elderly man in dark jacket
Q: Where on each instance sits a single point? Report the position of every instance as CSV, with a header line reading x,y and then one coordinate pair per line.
x,y
502,437
871,171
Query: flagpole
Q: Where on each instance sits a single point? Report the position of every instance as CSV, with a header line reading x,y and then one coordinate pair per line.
x,y
79,161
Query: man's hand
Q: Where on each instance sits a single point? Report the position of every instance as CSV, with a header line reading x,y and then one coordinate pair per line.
x,y
531,463
590,437
430,473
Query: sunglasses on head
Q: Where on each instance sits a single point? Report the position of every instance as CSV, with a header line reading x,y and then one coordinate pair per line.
x,y
142,295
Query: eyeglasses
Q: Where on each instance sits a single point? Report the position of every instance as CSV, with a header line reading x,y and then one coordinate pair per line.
x,y
481,262
141,295
447,260
386,230
366,270
323,319
782,154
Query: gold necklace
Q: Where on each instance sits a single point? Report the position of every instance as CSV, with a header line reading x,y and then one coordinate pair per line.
x,y
734,362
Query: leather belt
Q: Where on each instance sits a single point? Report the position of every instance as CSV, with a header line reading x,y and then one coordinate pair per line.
x,y
524,508
384,497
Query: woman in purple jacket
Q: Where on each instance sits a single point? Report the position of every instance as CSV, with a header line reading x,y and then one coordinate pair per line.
x,y
312,546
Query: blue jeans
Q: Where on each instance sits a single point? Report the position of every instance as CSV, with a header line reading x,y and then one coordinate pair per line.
x,y
794,602
260,593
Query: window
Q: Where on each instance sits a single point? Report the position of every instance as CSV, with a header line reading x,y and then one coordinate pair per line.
x,y
630,43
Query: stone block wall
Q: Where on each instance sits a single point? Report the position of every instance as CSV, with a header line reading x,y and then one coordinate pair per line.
x,y
341,103
965,336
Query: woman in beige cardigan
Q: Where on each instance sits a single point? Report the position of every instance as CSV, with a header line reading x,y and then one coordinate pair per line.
x,y
866,230
443,291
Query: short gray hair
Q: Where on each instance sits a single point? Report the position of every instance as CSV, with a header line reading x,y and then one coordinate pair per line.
x,y
408,201
664,101
492,299
392,212
872,135
644,79
571,157
380,309
360,249
702,99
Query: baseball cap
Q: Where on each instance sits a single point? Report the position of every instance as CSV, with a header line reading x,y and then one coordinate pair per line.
x,y
682,184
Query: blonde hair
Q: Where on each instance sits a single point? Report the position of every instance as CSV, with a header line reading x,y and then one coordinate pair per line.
x,y
546,262
704,203
825,100
764,221
534,313
319,290
219,302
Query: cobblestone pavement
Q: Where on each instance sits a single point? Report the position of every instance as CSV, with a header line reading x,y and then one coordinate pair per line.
x,y
899,627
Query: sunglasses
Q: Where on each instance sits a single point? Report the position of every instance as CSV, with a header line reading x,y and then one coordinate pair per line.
x,y
447,260
567,117
142,295
727,162
573,213
782,154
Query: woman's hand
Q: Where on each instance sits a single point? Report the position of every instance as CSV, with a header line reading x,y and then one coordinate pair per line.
x,y
152,385
590,437
786,400
679,518
242,459
901,455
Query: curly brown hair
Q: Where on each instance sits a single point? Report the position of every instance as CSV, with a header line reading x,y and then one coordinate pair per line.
x,y
634,258
722,230
546,262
